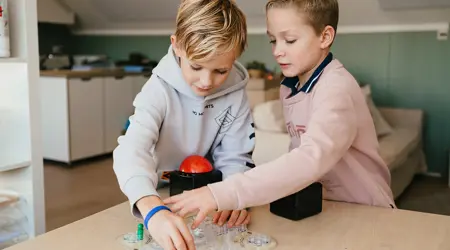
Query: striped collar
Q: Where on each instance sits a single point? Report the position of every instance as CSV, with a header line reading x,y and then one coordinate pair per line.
x,y
292,82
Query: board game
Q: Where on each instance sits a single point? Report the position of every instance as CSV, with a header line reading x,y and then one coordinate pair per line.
x,y
207,236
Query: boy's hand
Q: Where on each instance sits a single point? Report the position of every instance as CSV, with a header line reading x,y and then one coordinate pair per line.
x,y
198,200
237,218
170,231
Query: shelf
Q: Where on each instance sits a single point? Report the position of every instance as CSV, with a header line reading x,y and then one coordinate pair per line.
x,y
14,141
13,60
14,166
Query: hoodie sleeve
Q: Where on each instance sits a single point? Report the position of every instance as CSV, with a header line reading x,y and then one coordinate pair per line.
x,y
133,164
234,152
331,131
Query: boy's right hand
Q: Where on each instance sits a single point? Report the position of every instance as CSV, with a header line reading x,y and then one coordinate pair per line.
x,y
168,229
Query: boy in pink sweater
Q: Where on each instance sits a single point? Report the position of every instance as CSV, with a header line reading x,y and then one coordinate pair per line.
x,y
333,138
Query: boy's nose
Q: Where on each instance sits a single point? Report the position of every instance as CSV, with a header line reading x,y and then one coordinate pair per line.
x,y
206,81
278,51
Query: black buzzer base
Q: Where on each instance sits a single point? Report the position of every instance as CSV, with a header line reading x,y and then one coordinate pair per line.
x,y
300,205
180,181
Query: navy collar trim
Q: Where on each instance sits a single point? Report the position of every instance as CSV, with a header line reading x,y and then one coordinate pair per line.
x,y
292,82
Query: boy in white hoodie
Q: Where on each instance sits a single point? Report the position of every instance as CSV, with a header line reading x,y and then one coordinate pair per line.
x,y
194,104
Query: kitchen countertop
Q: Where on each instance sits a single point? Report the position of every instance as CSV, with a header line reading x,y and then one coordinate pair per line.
x,y
339,226
90,73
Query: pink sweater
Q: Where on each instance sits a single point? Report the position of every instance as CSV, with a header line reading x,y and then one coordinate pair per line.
x,y
333,140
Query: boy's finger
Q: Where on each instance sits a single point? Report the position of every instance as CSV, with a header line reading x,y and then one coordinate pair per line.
x,y
199,218
179,205
247,220
168,244
223,217
178,240
186,210
233,218
172,199
242,216
216,217
187,236
176,207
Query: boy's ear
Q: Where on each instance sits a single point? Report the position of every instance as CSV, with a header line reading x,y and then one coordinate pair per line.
x,y
327,37
173,41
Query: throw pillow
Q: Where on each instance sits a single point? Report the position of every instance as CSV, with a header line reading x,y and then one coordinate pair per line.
x,y
268,116
382,127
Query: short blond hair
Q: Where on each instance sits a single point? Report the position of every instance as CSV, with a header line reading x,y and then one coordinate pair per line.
x,y
205,28
320,13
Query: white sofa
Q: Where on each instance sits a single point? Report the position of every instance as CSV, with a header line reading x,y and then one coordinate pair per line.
x,y
399,130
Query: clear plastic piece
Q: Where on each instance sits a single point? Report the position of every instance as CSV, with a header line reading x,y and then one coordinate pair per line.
x,y
209,236
13,221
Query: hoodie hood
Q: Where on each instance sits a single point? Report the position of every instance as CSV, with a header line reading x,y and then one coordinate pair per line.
x,y
169,71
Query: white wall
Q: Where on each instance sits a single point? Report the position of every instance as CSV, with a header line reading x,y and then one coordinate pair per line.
x,y
54,11
147,17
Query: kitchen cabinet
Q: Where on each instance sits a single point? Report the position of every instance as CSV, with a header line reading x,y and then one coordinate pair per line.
x,y
138,83
84,116
118,107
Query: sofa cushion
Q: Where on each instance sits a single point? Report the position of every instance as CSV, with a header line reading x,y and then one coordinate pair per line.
x,y
395,147
382,127
269,146
268,116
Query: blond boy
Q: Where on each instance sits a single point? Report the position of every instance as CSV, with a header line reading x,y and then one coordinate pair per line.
x,y
194,103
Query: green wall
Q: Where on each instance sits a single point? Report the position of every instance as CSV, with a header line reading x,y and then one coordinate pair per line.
x,y
408,70
54,34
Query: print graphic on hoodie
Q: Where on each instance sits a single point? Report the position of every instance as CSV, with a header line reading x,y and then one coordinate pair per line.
x,y
225,119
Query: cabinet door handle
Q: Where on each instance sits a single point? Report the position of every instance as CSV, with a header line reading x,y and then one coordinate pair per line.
x,y
118,77
85,79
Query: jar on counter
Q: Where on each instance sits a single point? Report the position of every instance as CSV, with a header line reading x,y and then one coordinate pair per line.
x,y
13,221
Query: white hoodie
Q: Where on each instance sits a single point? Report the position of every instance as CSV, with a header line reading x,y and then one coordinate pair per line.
x,y
171,122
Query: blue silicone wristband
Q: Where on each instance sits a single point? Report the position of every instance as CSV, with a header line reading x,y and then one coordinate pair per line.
x,y
153,212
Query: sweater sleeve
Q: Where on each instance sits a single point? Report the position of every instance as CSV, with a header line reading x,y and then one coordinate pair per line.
x,y
330,132
133,164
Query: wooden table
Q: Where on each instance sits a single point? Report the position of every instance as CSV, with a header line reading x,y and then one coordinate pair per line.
x,y
340,226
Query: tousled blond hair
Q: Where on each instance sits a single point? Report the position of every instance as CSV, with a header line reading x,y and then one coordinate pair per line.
x,y
320,13
207,28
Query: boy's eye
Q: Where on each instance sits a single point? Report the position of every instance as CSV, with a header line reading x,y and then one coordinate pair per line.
x,y
196,68
222,72
290,41
273,41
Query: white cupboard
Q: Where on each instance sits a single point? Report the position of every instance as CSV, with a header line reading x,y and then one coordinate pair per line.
x,y
118,107
83,117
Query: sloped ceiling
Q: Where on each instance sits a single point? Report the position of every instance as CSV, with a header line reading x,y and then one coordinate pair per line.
x,y
147,16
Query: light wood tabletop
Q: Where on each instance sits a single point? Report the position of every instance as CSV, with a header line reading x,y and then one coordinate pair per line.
x,y
340,226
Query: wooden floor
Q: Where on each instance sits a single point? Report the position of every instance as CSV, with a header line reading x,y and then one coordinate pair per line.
x,y
72,193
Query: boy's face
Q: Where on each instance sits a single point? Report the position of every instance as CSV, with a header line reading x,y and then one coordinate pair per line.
x,y
205,77
295,45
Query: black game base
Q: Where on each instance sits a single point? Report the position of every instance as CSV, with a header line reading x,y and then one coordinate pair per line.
x,y
300,205
180,181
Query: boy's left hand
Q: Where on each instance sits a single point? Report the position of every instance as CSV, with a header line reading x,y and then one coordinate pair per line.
x,y
198,200
237,218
